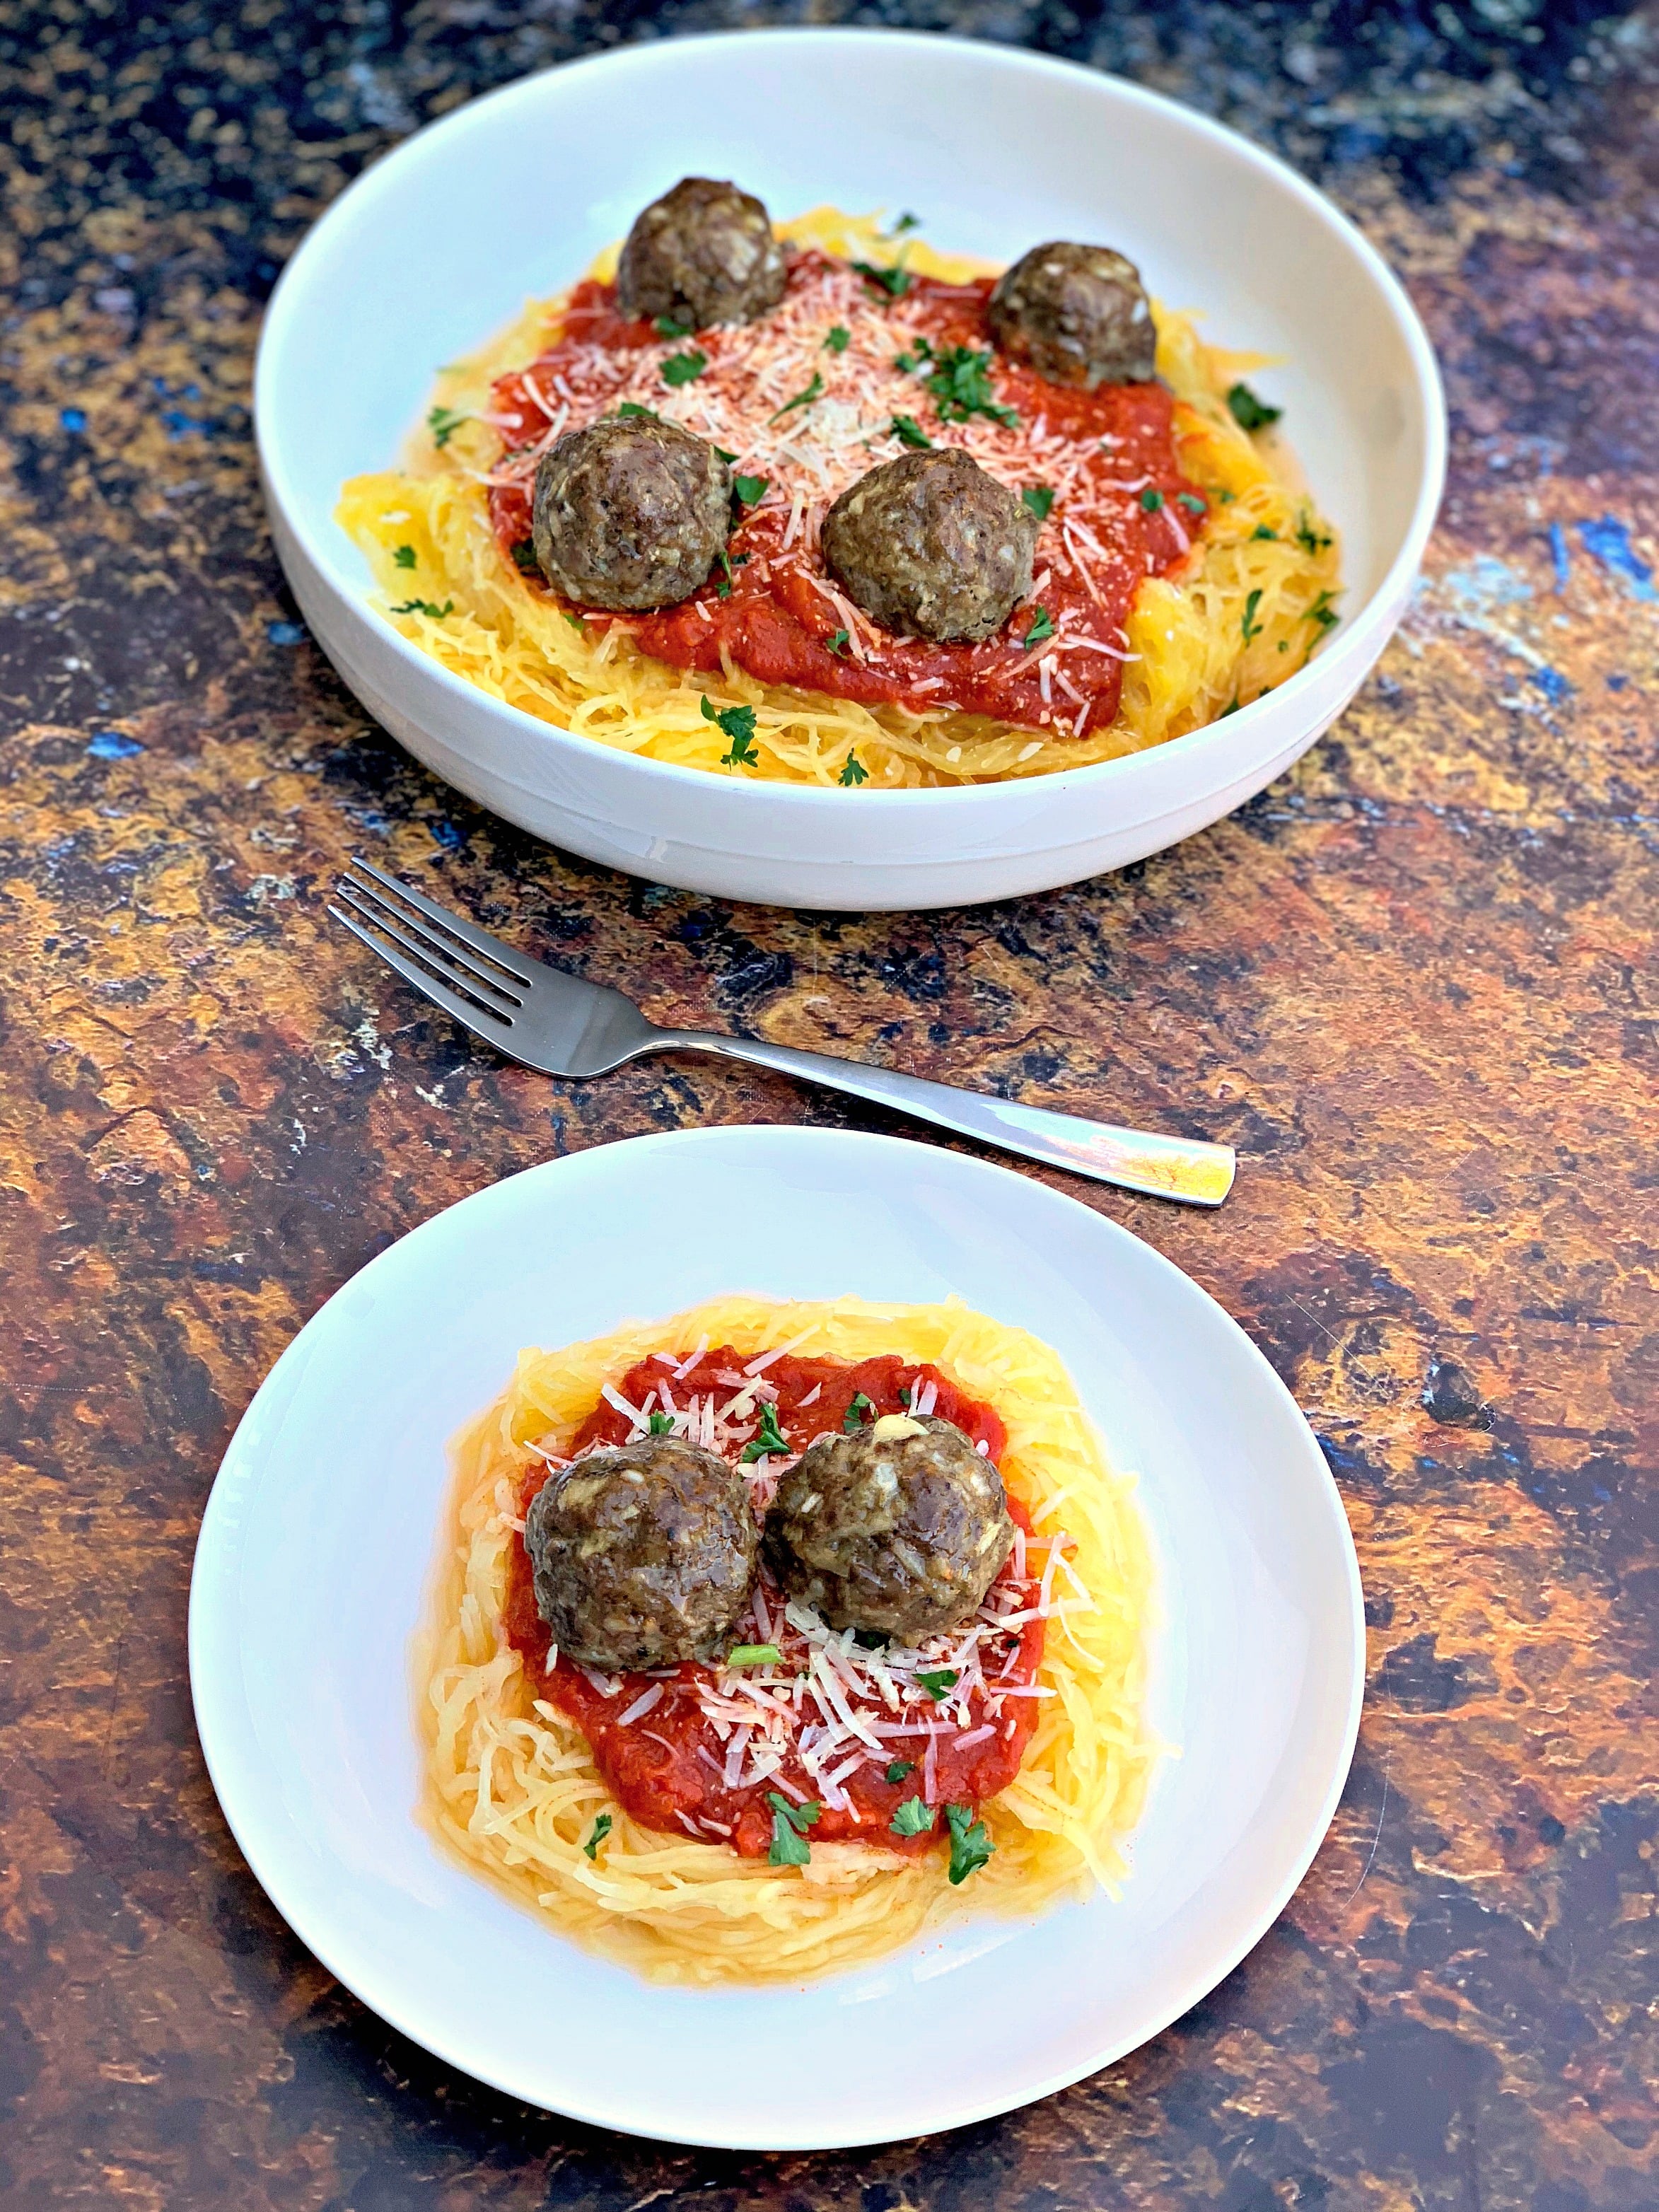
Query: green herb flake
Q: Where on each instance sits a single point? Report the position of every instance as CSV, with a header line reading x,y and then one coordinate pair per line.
x,y
600,1830
961,386
857,1415
894,281
443,422
754,1655
938,1682
728,458
909,432
750,489
970,1847
684,368
736,723
726,564
853,772
789,1826
1250,625
405,556
672,326
838,338
1151,499
523,558
771,1438
662,1425
632,407
1249,412
912,1818
436,614
838,642
1042,628
899,1769
577,624
814,391
1323,612
1039,499
1261,531
906,221
1192,503
1308,538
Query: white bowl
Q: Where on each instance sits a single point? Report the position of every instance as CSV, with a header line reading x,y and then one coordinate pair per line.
x,y
440,243
319,1538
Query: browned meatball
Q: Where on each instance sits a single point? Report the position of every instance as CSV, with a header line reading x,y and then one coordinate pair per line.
x,y
900,1528
702,253
630,511
1078,314
643,1555
930,546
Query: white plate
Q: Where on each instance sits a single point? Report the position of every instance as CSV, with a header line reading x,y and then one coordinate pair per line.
x,y
440,243
320,1533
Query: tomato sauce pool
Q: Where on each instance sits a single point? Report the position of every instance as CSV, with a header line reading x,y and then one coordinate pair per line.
x,y
667,1766
1128,513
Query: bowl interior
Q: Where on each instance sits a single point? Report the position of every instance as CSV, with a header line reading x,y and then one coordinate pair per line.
x,y
439,244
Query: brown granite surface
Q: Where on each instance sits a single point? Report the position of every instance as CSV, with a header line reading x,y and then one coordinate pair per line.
x,y
1410,983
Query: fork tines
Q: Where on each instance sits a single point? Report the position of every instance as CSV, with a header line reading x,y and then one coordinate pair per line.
x,y
454,963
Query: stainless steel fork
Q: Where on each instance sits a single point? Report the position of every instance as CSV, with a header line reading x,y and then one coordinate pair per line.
x,y
562,1025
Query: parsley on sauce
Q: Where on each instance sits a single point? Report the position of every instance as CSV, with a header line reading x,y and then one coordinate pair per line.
x,y
1042,628
1039,499
838,338
912,1818
789,1826
684,368
899,1769
814,391
1151,499
1249,412
894,281
857,1415
771,1438
750,489
938,1682
909,432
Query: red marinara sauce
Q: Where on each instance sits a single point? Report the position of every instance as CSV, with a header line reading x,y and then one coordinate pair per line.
x,y
666,1766
1127,512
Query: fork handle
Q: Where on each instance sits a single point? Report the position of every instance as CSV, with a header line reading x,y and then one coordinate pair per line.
x,y
1195,1173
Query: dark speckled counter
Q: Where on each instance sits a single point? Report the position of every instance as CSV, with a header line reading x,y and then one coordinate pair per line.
x,y
1411,982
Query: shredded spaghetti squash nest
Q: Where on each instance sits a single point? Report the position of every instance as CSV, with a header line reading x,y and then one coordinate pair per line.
x,y
1241,614
512,1786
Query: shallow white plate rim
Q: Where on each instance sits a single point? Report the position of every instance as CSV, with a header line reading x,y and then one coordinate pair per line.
x,y
209,1698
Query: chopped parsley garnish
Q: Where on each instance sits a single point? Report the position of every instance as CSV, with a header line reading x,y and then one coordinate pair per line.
x,y
771,1438
789,1826
633,407
1323,612
1151,499
684,368
1262,531
1309,539
736,723
938,1682
838,642
838,338
970,1847
754,1655
894,281
1249,412
750,489
443,422
1231,708
909,432
600,1830
524,557
899,1769
670,326
906,221
1039,499
405,556
576,623
857,1415
726,564
1250,625
853,772
814,391
1192,503
1042,628
959,380
728,458
436,614
912,1818
662,1425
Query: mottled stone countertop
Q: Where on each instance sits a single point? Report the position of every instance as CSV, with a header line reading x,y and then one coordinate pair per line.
x,y
1410,981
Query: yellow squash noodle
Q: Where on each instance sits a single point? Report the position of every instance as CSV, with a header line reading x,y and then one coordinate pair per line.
x,y
1241,615
511,1787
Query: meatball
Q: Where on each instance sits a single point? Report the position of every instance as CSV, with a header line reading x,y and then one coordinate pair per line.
x,y
1078,314
630,511
643,1555
702,253
900,1528
931,546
